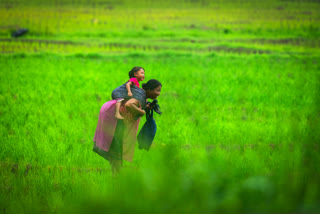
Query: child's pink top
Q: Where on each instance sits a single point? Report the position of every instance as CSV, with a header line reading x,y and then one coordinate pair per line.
x,y
135,81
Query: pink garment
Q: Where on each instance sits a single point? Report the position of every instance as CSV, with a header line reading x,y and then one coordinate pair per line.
x,y
106,127
135,81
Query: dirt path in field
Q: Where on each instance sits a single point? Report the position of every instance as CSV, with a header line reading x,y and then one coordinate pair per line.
x,y
35,45
262,41
40,41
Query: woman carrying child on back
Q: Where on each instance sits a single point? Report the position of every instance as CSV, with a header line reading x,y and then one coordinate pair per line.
x,y
136,75
115,139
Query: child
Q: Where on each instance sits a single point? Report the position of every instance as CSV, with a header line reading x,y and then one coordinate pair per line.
x,y
136,75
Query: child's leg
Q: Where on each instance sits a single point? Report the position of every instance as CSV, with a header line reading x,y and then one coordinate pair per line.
x,y
117,114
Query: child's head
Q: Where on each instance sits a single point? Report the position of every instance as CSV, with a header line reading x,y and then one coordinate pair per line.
x,y
133,71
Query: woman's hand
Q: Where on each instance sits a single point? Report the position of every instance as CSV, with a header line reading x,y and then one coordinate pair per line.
x,y
148,107
143,112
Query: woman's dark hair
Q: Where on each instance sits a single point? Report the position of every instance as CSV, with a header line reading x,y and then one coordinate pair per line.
x,y
151,84
134,70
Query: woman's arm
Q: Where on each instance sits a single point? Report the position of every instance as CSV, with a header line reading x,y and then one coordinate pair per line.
x,y
133,106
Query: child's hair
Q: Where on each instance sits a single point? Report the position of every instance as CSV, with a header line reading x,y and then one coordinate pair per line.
x,y
134,70
151,84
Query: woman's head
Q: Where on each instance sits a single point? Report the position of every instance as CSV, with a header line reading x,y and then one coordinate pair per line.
x,y
152,88
135,70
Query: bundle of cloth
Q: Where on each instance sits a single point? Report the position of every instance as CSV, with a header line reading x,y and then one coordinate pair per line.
x,y
137,93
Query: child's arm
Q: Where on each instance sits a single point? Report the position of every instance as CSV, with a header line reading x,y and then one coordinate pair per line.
x,y
128,88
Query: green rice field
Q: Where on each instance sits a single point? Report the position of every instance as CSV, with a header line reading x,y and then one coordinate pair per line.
x,y
240,99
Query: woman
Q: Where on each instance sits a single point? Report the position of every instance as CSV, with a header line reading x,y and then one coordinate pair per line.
x,y
115,139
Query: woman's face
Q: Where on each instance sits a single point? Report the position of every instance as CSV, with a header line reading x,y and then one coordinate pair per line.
x,y
153,94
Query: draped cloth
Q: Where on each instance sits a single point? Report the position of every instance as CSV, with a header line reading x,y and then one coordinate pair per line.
x,y
137,93
116,139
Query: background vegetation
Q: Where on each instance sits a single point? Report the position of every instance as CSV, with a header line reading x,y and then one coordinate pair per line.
x,y
240,126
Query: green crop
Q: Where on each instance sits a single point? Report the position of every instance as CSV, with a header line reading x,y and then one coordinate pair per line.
x,y
240,102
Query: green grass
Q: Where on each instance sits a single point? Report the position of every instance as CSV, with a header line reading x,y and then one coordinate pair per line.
x,y
113,27
233,129
240,102
282,18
